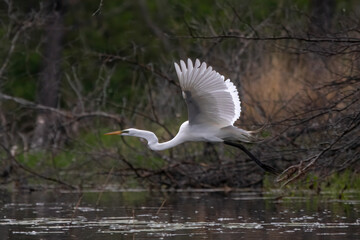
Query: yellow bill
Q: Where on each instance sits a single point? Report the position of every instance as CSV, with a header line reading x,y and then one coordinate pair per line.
x,y
114,133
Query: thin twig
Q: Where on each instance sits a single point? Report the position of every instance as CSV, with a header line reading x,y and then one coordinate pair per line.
x,y
289,172
12,48
103,188
161,206
76,90
110,58
98,10
77,206
35,173
67,114
287,37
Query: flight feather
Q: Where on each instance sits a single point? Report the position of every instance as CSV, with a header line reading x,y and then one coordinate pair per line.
x,y
210,99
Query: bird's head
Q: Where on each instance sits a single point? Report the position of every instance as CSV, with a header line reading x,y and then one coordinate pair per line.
x,y
133,132
126,132
147,135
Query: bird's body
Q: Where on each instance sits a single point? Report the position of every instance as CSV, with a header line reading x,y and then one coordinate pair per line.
x,y
190,133
213,107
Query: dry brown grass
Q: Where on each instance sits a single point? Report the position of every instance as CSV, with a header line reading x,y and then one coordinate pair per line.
x,y
282,84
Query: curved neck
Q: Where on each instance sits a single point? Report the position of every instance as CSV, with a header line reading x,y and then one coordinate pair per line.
x,y
156,146
153,142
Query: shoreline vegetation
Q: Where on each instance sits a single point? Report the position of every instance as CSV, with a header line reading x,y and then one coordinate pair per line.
x,y
71,71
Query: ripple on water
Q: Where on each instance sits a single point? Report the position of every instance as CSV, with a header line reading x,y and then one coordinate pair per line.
x,y
236,215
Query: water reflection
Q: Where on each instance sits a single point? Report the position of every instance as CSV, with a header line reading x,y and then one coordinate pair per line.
x,y
184,215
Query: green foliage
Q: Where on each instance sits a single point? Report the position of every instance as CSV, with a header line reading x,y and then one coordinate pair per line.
x,y
23,73
341,181
45,159
31,159
336,184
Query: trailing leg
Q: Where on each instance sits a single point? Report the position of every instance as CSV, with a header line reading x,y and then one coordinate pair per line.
x,y
264,166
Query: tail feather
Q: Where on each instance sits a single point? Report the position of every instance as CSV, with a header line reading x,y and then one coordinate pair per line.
x,y
237,134
247,136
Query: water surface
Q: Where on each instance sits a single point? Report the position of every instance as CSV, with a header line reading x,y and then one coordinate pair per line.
x,y
181,215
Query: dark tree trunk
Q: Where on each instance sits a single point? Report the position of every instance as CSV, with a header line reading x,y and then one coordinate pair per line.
x,y
50,77
322,12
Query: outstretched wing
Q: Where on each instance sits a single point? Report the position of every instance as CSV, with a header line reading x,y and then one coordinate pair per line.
x,y
210,99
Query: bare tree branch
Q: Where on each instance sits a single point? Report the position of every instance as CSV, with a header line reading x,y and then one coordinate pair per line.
x,y
67,114
33,172
279,38
110,58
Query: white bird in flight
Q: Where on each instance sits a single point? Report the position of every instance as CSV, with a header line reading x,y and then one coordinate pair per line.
x,y
213,107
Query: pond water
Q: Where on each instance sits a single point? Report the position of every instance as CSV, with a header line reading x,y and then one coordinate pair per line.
x,y
180,215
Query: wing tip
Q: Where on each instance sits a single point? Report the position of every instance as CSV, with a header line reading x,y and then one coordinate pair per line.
x,y
236,99
197,63
178,70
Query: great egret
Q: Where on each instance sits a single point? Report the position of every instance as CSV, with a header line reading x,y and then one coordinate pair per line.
x,y
213,106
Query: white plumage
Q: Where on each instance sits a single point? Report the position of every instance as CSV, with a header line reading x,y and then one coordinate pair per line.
x,y
210,99
213,107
